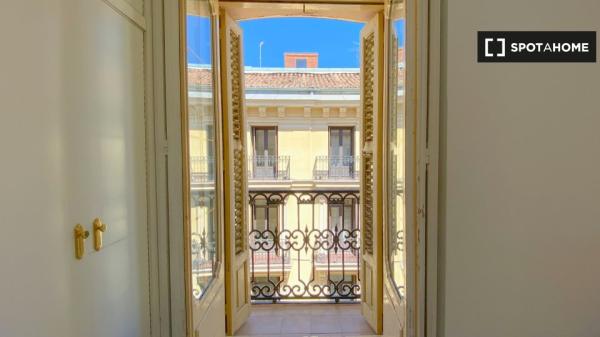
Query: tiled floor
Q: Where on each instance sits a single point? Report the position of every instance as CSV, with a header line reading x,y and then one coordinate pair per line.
x,y
305,320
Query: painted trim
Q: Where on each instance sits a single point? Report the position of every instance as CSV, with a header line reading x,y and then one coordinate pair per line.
x,y
432,202
185,164
175,268
154,173
125,9
326,2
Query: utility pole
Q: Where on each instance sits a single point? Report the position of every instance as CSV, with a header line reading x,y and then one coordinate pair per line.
x,y
260,53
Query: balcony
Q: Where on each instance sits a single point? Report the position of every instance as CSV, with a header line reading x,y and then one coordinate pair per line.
x,y
304,251
336,168
201,169
263,167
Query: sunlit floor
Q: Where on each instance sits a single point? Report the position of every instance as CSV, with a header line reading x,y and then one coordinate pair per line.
x,y
305,320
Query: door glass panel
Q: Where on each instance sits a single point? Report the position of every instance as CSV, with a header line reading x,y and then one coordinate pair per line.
x,y
203,233
335,220
265,152
260,214
272,142
259,142
346,142
273,218
341,160
334,135
397,151
349,214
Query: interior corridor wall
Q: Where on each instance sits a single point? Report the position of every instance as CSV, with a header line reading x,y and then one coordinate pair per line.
x,y
520,187
72,139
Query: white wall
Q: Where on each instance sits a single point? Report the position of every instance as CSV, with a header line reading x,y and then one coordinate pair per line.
x,y
73,148
521,179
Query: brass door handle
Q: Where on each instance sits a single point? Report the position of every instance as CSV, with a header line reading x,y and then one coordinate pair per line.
x,y
99,228
80,234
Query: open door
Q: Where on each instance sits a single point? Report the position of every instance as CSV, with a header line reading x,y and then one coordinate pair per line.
x,y
371,187
237,296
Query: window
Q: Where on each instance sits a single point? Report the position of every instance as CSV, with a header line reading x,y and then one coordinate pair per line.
x,y
265,140
342,216
301,63
264,163
202,234
266,217
341,152
341,141
396,154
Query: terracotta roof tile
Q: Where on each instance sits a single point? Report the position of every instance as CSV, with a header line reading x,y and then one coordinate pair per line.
x,y
302,80
286,79
199,77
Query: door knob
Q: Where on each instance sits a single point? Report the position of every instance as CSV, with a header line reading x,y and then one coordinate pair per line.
x,y
99,228
80,234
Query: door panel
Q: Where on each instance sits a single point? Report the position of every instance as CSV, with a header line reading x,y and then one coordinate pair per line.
x,y
204,276
371,44
102,157
235,175
399,181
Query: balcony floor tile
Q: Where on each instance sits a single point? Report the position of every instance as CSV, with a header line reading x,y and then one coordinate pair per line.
x,y
305,320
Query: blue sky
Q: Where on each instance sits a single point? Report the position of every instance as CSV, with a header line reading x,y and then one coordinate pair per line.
x,y
336,41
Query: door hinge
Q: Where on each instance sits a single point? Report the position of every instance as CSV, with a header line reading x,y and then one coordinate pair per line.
x,y
421,212
410,324
427,156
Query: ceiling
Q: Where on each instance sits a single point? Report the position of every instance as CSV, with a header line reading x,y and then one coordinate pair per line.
x,y
346,10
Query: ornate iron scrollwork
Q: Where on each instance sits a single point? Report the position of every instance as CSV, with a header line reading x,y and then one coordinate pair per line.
x,y
309,261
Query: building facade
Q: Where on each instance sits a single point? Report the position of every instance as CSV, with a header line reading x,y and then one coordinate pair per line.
x,y
303,131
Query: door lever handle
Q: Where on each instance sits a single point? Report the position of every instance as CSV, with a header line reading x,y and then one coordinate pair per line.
x,y
99,228
80,234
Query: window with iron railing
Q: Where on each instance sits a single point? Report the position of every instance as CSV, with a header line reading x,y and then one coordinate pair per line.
x,y
202,169
336,167
266,164
261,167
341,162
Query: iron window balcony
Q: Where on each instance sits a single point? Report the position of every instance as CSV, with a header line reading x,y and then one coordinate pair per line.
x,y
336,167
263,167
201,169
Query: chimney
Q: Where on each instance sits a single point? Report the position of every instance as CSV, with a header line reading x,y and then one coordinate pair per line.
x,y
301,60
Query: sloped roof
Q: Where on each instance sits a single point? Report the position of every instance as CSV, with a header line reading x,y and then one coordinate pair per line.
x,y
286,78
301,79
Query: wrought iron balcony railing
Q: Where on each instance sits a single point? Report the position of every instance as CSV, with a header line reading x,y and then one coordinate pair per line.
x,y
336,167
263,167
296,255
201,169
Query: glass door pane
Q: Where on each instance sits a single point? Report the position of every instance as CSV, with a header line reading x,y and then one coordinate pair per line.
x,y
397,151
202,234
265,152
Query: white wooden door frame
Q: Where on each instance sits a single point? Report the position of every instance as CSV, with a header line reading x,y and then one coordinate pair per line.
x,y
167,253
428,37
162,95
423,72
433,143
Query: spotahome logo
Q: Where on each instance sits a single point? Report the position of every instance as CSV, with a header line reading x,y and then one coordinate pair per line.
x,y
536,46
